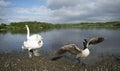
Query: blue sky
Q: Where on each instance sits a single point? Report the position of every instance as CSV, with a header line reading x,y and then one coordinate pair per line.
x,y
59,11
27,3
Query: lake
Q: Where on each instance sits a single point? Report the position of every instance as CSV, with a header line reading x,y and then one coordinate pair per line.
x,y
56,38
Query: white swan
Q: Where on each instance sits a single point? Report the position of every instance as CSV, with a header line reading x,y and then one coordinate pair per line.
x,y
32,42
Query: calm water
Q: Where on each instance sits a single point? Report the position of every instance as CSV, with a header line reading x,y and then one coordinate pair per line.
x,y
54,39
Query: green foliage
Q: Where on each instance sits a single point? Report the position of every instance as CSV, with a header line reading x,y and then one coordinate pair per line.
x,y
19,27
31,24
34,26
3,26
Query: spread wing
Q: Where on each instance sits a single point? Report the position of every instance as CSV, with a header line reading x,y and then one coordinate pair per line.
x,y
70,48
94,41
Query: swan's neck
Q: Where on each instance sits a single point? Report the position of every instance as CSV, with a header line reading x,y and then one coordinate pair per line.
x,y
28,32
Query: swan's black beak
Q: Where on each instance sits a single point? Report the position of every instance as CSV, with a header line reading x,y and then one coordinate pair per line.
x,y
24,27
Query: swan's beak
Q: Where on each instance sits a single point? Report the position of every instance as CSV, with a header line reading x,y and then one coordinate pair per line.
x,y
24,27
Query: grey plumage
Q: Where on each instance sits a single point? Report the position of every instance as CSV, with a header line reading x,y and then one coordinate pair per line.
x,y
76,51
71,48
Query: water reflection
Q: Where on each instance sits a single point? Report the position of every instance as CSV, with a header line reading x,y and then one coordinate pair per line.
x,y
56,38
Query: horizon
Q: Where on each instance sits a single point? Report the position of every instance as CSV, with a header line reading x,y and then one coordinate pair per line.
x,y
63,23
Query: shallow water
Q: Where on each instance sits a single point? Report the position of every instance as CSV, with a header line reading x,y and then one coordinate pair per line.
x,y
56,38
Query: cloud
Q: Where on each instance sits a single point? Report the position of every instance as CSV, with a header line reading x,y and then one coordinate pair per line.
x,y
4,3
40,13
65,11
41,10
85,11
72,13
56,4
4,10
107,10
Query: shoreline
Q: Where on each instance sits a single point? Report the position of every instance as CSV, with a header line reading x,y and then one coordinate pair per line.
x,y
17,62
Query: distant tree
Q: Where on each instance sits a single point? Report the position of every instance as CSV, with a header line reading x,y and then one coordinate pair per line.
x,y
3,26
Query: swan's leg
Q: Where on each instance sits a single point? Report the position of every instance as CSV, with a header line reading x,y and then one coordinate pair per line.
x,y
36,52
30,52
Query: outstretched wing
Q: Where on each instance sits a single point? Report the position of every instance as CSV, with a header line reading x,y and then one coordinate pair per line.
x,y
93,41
70,48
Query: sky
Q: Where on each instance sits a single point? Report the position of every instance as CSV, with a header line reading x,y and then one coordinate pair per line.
x,y
59,11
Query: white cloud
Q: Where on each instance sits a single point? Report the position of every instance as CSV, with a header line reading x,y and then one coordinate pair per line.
x,y
56,4
68,11
85,10
76,13
20,10
30,14
4,10
42,10
4,3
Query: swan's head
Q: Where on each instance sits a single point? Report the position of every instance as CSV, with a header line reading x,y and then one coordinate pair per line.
x,y
26,26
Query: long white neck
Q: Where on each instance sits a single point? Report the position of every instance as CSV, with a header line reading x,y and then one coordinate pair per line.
x,y
28,32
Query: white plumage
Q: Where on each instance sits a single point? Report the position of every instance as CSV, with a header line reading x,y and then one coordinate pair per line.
x,y
33,42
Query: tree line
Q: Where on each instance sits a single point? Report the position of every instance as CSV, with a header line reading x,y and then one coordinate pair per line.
x,y
43,25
